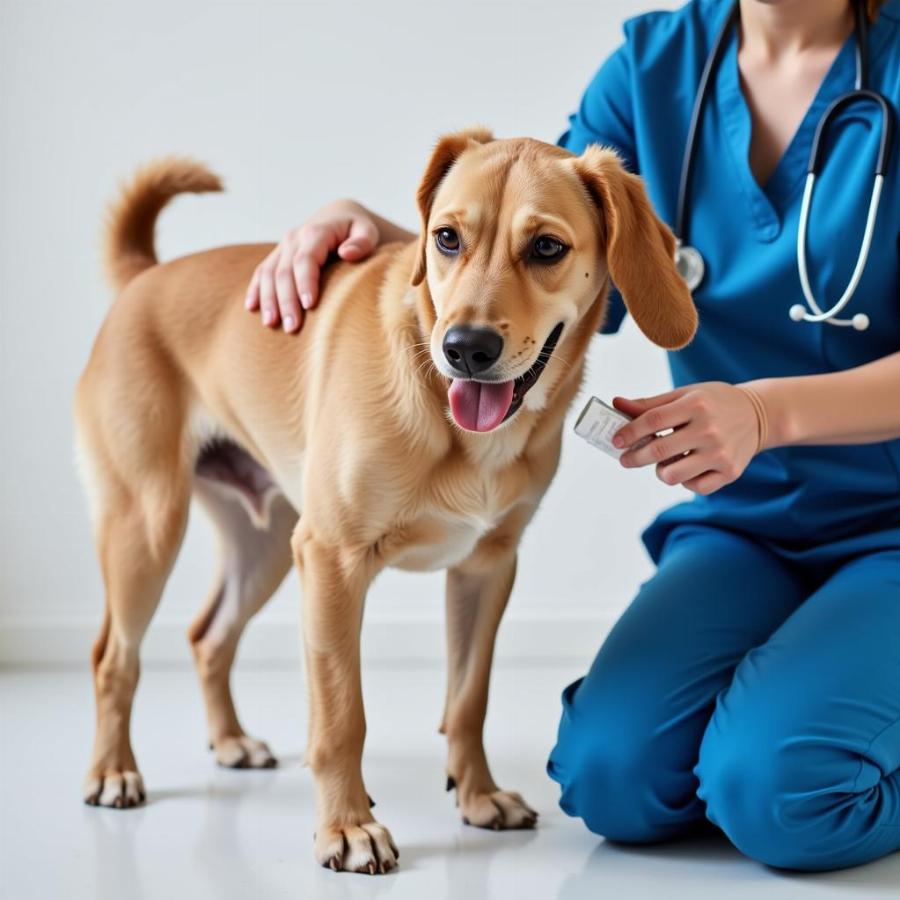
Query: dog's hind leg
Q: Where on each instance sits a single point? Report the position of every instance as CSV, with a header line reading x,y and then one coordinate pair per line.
x,y
255,557
138,536
130,417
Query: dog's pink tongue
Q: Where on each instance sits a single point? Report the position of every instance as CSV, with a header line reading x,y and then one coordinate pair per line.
x,y
478,406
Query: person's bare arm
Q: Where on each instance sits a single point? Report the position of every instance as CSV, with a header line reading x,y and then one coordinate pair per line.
x,y
286,282
856,406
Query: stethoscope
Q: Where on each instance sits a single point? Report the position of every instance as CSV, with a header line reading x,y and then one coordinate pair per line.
x,y
688,259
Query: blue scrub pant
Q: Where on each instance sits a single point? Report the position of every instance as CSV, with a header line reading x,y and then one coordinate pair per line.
x,y
741,688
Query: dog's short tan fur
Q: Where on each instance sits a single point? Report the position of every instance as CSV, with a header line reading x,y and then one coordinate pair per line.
x,y
350,420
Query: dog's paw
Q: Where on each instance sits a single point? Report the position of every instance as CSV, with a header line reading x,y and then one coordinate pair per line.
x,y
500,810
367,848
243,752
115,788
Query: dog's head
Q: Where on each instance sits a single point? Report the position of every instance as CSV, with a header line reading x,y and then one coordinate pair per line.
x,y
517,240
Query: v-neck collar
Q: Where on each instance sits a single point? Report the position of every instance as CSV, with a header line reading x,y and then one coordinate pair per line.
x,y
768,203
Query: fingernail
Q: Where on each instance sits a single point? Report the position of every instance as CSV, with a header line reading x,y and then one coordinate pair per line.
x,y
306,300
289,322
618,442
268,317
248,303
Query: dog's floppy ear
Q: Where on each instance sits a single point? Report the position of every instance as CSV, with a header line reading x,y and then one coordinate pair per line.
x,y
639,251
448,149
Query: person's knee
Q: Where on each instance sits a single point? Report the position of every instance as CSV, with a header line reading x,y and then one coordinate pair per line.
x,y
615,776
770,793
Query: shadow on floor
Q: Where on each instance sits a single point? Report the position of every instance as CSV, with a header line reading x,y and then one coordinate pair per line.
x,y
711,851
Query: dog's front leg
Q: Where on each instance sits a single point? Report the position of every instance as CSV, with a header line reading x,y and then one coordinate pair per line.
x,y
477,593
334,585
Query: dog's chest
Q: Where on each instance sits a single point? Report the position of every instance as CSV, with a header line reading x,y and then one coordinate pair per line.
x,y
448,529
437,542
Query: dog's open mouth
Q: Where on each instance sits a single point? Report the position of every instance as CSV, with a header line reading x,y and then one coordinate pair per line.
x,y
483,405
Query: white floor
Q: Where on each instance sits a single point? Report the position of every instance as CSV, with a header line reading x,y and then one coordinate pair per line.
x,y
213,833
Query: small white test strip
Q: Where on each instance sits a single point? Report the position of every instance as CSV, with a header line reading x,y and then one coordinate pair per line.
x,y
598,423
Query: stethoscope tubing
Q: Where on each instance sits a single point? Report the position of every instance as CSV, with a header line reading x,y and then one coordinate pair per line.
x,y
858,95
797,312
690,146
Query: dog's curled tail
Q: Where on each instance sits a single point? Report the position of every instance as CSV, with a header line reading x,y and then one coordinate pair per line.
x,y
129,244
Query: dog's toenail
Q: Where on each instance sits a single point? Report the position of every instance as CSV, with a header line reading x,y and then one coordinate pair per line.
x,y
451,782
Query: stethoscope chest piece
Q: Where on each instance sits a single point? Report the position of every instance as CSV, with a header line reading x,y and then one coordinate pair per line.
x,y
690,265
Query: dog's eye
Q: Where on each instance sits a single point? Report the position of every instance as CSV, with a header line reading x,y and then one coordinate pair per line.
x,y
447,241
546,249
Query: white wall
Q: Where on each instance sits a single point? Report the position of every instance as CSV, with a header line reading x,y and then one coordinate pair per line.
x,y
294,104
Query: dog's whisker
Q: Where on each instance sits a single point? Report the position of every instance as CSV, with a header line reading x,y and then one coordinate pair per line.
x,y
424,366
420,355
428,364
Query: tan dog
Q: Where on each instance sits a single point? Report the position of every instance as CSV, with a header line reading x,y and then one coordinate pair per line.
x,y
415,421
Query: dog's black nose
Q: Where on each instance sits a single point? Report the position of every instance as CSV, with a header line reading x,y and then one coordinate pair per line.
x,y
472,350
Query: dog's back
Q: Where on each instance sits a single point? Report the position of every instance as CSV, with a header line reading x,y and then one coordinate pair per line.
x,y
178,362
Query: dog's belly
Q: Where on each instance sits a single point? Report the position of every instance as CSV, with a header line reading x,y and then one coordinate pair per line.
x,y
443,544
228,468
224,465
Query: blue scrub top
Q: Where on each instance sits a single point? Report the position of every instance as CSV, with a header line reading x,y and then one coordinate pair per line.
x,y
639,103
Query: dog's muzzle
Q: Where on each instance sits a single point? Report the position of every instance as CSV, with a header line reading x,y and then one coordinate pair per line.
x,y
479,404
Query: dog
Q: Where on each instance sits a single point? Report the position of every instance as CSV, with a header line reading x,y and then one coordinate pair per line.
x,y
415,422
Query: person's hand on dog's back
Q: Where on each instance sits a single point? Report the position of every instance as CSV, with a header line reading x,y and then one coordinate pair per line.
x,y
286,282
